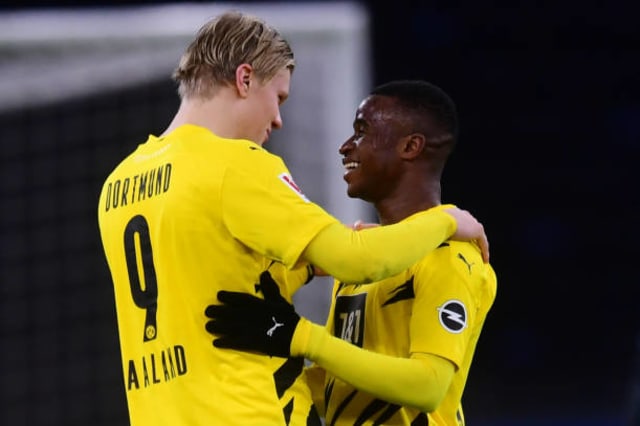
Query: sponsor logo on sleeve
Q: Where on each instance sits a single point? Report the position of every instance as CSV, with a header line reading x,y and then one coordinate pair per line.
x,y
453,316
288,180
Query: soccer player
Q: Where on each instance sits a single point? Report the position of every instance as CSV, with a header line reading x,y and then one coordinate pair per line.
x,y
204,207
397,351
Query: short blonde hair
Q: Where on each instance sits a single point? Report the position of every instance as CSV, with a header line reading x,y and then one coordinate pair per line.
x,y
223,44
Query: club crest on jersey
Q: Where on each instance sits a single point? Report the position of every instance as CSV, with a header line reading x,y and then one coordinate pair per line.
x,y
288,180
453,316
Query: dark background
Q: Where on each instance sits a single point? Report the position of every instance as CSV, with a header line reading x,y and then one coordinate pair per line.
x,y
549,103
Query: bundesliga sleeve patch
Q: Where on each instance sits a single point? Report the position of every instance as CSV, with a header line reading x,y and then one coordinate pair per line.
x,y
288,180
453,316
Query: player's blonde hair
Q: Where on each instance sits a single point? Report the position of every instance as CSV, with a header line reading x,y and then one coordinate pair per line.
x,y
224,43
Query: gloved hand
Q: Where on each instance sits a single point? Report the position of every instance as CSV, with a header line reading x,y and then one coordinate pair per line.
x,y
249,323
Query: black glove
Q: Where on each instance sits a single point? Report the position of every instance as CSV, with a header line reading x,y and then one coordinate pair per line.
x,y
246,322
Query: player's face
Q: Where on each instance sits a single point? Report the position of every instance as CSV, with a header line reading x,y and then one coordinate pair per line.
x,y
263,111
370,157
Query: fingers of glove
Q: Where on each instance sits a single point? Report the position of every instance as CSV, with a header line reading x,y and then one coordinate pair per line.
x,y
215,311
269,287
210,326
226,327
239,299
247,304
224,312
237,317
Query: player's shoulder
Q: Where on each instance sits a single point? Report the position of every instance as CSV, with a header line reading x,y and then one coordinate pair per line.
x,y
242,156
125,165
454,254
451,248
197,139
251,155
466,260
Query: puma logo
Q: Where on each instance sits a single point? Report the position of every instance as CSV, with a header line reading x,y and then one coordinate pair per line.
x,y
276,324
469,265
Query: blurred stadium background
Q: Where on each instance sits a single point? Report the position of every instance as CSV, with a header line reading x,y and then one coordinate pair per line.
x,y
550,110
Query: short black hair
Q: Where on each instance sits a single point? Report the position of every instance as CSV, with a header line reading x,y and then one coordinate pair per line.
x,y
423,97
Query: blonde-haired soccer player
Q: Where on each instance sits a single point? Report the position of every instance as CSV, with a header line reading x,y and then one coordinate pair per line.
x,y
203,207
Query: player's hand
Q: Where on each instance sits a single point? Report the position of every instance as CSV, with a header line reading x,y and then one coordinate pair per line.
x,y
469,229
249,323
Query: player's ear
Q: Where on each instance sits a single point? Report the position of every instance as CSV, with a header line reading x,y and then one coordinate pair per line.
x,y
244,75
412,145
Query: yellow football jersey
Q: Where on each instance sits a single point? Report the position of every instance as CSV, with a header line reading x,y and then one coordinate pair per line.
x,y
438,306
181,218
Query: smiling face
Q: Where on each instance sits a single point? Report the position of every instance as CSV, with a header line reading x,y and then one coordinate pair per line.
x,y
262,106
371,155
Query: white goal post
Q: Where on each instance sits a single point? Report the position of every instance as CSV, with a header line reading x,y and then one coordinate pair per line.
x,y
50,56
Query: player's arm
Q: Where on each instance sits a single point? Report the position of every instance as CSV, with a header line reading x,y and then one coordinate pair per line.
x,y
291,279
363,256
283,225
421,381
358,225
271,326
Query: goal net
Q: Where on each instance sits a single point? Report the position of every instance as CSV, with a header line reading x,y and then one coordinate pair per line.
x,y
79,90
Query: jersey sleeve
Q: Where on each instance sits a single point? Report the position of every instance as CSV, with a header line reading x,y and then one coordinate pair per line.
x,y
264,209
290,280
444,308
369,255
417,382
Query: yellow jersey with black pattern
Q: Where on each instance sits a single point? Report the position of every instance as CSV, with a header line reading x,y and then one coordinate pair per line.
x,y
438,306
181,218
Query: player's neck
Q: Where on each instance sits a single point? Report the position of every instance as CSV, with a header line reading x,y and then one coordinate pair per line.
x,y
407,202
215,114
